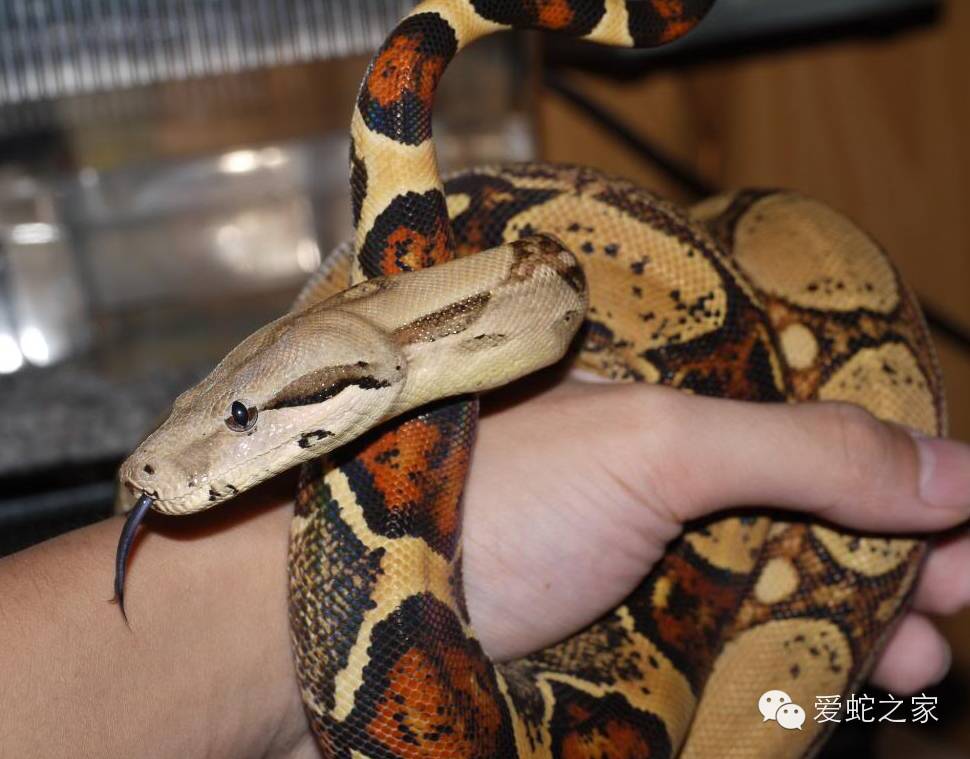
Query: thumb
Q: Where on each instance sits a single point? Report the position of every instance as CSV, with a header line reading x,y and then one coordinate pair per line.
x,y
831,460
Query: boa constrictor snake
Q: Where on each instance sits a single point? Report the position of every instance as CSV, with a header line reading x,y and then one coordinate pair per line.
x,y
756,295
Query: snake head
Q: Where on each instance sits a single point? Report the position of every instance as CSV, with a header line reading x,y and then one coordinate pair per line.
x,y
299,387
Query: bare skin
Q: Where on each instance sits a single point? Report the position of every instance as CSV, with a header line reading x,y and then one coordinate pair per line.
x,y
206,668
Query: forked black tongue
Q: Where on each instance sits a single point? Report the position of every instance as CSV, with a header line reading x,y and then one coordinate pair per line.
x,y
135,518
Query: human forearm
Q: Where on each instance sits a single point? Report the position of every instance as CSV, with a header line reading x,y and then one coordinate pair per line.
x,y
207,648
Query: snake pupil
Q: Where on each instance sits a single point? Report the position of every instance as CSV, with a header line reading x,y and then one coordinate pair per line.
x,y
240,414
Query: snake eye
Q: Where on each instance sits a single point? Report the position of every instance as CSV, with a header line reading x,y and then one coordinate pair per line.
x,y
241,418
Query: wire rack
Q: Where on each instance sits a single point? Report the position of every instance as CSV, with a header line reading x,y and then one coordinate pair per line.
x,y
53,49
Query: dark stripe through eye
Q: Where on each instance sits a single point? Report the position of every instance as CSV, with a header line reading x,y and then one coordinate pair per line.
x,y
320,386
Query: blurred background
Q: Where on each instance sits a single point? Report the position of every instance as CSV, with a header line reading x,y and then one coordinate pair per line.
x,y
172,170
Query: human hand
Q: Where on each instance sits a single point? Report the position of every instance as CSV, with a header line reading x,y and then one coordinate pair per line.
x,y
573,496
571,499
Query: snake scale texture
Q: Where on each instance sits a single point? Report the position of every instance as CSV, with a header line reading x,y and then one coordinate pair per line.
x,y
764,296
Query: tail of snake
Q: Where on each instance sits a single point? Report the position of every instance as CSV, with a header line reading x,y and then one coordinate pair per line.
x,y
764,296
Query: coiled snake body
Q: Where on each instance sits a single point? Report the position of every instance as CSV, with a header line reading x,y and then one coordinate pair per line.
x,y
756,295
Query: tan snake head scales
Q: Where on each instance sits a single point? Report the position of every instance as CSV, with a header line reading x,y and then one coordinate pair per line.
x,y
321,376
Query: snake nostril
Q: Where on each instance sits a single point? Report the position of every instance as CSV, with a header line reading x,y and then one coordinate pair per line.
x,y
148,469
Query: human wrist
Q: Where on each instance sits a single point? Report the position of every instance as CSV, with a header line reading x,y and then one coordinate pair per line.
x,y
208,628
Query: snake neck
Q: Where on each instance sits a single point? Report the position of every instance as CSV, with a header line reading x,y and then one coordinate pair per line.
x,y
400,214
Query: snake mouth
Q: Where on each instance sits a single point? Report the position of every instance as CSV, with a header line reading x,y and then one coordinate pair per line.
x,y
135,517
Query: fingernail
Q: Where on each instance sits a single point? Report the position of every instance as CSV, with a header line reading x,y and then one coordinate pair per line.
x,y
944,472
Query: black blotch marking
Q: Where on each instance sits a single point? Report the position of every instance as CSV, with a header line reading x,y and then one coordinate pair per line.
x,y
526,15
425,626
575,277
358,181
580,719
415,515
309,438
493,203
415,55
423,214
653,24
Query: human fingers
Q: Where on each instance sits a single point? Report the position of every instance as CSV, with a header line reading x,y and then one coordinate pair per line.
x,y
916,657
832,460
944,583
